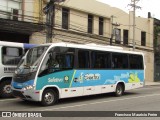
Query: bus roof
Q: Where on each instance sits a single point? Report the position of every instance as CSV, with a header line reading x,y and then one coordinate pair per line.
x,y
93,46
29,45
4,43
15,44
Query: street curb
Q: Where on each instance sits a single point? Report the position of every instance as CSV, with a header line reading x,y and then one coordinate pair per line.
x,y
152,84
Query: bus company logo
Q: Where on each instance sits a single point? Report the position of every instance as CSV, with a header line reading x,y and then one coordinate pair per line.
x,y
22,84
87,77
19,85
25,84
96,76
55,80
66,79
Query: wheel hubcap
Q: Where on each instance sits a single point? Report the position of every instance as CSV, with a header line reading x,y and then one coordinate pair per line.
x,y
49,98
119,90
7,89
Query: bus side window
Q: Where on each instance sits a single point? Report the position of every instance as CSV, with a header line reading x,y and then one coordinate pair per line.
x,y
114,62
133,62
100,60
58,61
11,55
119,61
83,59
108,60
69,61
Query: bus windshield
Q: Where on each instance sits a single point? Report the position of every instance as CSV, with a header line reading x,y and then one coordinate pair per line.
x,y
57,59
31,60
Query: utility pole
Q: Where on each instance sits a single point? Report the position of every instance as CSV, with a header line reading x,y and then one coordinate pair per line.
x,y
49,21
49,10
133,4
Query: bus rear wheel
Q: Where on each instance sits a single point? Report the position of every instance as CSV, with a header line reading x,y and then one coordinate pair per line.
x,y
119,90
49,97
5,89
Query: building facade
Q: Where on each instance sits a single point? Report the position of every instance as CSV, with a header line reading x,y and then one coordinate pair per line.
x,y
81,21
156,50
18,20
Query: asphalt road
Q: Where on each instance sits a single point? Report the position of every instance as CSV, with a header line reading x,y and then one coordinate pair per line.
x,y
142,99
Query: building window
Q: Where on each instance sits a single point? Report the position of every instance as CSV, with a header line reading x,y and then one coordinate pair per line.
x,y
101,20
65,18
117,36
143,38
90,24
10,9
15,14
125,37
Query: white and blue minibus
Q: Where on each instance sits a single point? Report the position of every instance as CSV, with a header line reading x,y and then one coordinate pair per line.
x,y
10,55
61,70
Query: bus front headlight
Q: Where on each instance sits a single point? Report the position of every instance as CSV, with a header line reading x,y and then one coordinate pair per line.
x,y
28,87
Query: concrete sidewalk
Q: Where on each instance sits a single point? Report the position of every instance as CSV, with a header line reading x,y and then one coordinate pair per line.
x,y
152,83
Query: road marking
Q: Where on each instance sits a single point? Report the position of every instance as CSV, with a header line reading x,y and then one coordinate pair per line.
x,y
80,105
8,99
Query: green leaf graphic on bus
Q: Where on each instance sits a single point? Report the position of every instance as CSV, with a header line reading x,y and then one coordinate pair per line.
x,y
133,78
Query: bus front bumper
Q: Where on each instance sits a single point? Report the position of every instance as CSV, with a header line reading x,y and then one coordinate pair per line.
x,y
31,95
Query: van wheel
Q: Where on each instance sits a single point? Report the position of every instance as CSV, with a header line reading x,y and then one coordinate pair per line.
x,y
49,97
5,89
119,90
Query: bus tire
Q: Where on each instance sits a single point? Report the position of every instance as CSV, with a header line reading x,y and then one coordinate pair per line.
x,y
5,89
49,97
119,90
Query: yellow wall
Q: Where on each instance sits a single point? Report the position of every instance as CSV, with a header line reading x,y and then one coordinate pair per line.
x,y
37,10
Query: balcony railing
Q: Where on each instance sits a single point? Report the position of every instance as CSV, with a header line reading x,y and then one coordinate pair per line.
x,y
20,15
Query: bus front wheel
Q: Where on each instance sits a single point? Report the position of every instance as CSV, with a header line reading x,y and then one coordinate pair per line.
x,y
119,90
49,97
